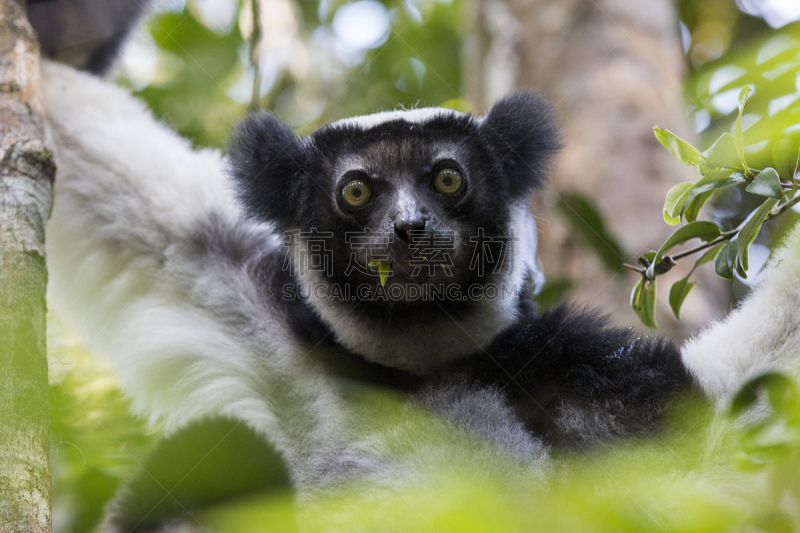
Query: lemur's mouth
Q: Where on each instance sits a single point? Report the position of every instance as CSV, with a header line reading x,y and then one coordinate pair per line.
x,y
414,269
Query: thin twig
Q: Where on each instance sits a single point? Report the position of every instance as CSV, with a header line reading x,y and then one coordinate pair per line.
x,y
788,205
635,268
255,40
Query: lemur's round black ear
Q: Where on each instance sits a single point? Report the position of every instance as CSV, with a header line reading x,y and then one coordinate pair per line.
x,y
265,159
523,133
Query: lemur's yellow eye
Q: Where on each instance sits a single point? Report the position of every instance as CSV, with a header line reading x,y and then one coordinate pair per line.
x,y
356,193
447,181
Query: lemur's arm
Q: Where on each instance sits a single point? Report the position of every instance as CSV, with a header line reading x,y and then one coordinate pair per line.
x,y
152,263
763,333
574,381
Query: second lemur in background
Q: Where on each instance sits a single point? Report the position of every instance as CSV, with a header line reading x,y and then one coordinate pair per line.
x,y
86,34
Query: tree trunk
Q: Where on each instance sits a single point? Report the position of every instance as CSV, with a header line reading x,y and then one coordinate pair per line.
x,y
26,178
613,69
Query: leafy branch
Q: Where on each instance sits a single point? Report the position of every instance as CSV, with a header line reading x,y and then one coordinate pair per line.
x,y
721,166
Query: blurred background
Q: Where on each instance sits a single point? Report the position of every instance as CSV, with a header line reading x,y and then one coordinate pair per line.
x,y
612,68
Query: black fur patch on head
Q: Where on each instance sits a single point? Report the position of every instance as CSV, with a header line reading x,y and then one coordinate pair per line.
x,y
522,131
267,160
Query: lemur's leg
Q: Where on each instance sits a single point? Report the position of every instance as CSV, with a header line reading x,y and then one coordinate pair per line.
x,y
152,263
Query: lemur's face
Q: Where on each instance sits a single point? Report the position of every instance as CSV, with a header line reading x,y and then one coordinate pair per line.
x,y
419,193
411,194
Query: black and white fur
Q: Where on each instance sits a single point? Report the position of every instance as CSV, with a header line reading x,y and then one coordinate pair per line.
x,y
169,261
86,34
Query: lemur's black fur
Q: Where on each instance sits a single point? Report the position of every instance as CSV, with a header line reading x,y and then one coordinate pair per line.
x,y
569,378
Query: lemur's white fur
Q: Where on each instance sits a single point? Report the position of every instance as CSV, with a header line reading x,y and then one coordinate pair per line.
x,y
153,264
762,333
408,115
134,203
137,211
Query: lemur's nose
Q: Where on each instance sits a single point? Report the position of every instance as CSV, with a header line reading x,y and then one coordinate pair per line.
x,y
406,224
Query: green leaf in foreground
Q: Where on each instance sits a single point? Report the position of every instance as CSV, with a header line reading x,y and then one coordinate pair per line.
x,y
767,183
722,154
738,133
680,289
676,198
680,149
707,231
586,221
643,302
384,269
726,259
678,293
705,188
786,154
751,228
780,391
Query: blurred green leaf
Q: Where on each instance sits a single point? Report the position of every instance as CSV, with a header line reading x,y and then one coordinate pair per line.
x,y
767,183
676,198
680,289
722,154
553,292
705,189
751,229
587,222
643,302
738,134
727,259
680,149
786,154
678,293
694,204
710,255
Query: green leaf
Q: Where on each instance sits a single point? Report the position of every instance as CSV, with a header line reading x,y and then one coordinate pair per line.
x,y
678,293
586,221
680,149
680,289
726,258
643,302
786,155
722,154
384,269
705,189
553,292
718,175
751,228
694,204
707,231
780,391
767,183
673,205
710,254
738,134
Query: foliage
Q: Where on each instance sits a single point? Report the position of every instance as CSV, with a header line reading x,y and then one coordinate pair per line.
x,y
95,442
202,81
669,483
727,163
663,484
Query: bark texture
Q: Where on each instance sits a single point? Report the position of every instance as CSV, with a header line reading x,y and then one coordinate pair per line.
x,y
26,177
614,69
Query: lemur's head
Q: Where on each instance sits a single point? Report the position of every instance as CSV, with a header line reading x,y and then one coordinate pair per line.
x,y
430,197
